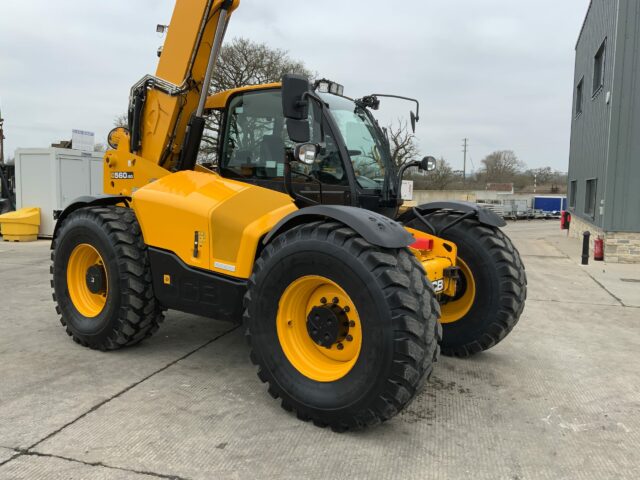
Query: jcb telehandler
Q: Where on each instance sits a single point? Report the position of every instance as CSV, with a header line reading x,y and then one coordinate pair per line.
x,y
296,235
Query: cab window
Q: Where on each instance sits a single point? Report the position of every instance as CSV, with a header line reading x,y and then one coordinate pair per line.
x,y
256,143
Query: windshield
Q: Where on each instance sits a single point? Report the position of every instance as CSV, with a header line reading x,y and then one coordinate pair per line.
x,y
367,148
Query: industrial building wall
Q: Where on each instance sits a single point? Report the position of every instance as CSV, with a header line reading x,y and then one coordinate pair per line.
x,y
590,122
623,175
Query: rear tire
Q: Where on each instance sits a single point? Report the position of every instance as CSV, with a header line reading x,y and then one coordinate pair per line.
x,y
128,312
399,325
499,279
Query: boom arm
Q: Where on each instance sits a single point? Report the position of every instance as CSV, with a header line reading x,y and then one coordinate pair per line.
x,y
166,110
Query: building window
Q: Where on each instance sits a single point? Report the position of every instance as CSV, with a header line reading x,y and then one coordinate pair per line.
x,y
579,97
598,67
590,197
573,190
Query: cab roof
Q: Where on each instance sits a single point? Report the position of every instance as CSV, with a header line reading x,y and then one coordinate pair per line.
x,y
219,100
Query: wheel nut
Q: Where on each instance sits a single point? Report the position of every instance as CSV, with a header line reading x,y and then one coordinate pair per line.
x,y
352,324
346,309
340,346
323,300
335,300
349,338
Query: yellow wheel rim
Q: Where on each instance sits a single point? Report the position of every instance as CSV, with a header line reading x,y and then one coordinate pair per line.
x,y
82,258
456,309
311,359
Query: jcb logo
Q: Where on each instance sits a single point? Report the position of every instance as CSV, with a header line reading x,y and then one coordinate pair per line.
x,y
438,285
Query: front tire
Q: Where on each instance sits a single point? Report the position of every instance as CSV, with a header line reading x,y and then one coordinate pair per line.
x,y
324,271
493,288
102,279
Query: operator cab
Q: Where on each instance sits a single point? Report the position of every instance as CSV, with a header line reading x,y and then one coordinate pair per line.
x,y
351,164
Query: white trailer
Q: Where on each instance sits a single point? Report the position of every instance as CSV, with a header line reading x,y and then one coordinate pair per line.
x,y
51,178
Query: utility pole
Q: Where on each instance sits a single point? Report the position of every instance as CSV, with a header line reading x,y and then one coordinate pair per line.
x,y
465,146
1,138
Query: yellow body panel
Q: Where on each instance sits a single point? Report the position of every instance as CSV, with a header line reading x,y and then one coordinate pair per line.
x,y
219,100
443,255
228,217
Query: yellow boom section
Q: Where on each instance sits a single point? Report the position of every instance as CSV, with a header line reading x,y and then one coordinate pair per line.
x,y
170,97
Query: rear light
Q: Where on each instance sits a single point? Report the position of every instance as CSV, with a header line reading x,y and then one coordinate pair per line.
x,y
424,244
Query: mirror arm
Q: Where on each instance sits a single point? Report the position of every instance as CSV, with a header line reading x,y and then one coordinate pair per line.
x,y
409,99
403,168
288,187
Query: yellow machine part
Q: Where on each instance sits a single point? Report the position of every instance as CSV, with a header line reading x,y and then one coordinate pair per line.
x,y
162,112
218,101
442,255
21,225
208,221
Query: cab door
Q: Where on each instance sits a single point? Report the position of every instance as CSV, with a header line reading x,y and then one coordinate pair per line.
x,y
255,145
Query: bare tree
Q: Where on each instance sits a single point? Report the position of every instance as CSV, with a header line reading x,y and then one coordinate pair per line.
x,y
244,62
501,166
121,121
404,147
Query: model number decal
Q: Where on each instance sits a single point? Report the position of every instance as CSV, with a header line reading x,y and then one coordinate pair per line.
x,y
122,175
438,285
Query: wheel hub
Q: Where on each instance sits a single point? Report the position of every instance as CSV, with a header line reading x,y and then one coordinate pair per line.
x,y
327,325
95,279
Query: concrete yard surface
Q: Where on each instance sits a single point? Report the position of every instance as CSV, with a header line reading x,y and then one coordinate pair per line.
x,y
559,398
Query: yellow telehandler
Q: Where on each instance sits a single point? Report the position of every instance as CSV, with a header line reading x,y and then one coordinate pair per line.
x,y
296,234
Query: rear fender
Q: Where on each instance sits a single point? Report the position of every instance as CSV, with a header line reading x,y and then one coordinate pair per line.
x,y
484,216
87,201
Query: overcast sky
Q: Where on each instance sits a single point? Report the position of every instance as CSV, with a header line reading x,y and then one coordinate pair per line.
x,y
498,72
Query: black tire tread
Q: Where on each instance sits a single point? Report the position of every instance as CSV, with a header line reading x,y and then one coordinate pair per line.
x,y
513,280
417,331
140,313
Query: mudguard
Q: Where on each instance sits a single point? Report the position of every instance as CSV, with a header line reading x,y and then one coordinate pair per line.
x,y
373,227
86,201
486,217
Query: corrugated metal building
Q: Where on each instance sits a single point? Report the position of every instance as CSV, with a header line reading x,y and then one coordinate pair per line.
x,y
604,163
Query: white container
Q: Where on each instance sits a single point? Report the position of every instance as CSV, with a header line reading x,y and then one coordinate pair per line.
x,y
51,178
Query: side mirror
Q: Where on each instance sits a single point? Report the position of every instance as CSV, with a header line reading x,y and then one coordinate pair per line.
x,y
306,153
428,163
295,107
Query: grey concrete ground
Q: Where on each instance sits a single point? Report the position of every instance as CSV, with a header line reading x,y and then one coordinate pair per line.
x,y
559,398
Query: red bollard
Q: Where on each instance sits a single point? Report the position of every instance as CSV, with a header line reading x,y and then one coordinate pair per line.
x,y
565,220
598,249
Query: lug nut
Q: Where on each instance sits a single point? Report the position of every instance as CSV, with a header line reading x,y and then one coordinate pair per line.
x,y
352,324
349,338
323,300
346,309
335,300
340,346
